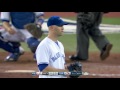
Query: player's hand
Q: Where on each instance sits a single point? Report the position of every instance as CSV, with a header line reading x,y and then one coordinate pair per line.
x,y
11,31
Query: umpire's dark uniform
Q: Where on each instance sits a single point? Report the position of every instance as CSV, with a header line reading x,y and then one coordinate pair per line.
x,y
88,26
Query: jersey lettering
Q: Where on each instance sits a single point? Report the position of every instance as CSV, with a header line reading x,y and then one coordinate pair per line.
x,y
57,55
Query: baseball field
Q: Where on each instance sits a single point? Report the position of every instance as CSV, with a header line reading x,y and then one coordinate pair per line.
x,y
94,66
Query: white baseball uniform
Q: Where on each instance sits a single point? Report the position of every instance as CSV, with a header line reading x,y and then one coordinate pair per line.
x,y
21,34
48,52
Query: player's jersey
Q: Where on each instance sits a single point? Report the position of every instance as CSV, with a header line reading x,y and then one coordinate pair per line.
x,y
48,52
19,19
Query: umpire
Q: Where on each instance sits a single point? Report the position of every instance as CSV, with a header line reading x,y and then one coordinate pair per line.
x,y
88,26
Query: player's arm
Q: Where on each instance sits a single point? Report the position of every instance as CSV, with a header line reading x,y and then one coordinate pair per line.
x,y
40,17
5,18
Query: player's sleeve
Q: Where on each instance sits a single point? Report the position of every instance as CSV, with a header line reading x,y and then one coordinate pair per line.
x,y
38,14
42,54
39,17
5,16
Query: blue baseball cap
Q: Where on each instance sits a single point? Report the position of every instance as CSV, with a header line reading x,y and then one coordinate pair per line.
x,y
56,20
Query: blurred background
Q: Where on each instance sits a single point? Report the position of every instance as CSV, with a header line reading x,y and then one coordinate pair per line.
x,y
110,26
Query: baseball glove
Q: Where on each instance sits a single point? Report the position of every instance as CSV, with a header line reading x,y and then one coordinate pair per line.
x,y
75,69
34,30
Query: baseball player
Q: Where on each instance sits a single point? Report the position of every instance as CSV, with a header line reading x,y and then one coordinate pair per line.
x,y
50,54
12,48
14,23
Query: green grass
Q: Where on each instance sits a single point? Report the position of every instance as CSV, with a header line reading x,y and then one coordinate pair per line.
x,y
114,21
69,42
105,20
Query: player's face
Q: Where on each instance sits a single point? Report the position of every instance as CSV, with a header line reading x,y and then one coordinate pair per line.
x,y
59,30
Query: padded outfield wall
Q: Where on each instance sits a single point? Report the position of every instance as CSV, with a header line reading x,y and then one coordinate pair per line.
x,y
71,14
